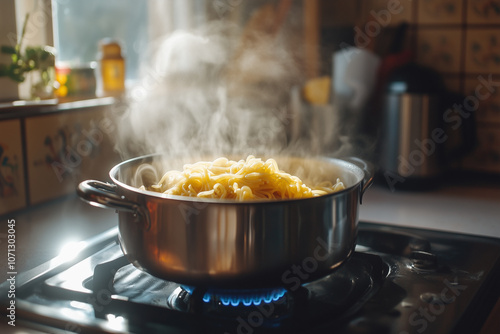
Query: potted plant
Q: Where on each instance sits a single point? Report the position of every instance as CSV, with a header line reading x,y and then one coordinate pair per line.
x,y
33,64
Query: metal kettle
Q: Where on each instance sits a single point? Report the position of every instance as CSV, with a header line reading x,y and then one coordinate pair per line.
x,y
416,145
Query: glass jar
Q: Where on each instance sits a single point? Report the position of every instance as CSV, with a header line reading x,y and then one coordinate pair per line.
x,y
111,69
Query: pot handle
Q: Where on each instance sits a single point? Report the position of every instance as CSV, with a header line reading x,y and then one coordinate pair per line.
x,y
369,171
104,195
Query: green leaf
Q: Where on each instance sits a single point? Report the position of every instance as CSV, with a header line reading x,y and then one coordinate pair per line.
x,y
29,53
18,78
15,73
8,49
3,70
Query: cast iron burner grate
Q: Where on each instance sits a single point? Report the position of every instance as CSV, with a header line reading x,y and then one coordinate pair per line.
x,y
116,287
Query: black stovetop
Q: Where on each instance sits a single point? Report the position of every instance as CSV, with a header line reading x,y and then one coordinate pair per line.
x,y
399,280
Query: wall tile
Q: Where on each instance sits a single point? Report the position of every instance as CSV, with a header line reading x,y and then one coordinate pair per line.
x,y
486,157
483,51
488,96
462,54
339,13
440,11
388,12
440,49
452,83
483,11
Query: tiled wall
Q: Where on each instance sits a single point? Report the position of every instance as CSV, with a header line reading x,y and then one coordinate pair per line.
x,y
458,38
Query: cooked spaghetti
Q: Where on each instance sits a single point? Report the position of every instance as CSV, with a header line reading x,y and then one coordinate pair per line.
x,y
249,179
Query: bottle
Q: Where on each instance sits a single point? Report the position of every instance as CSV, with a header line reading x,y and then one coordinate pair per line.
x,y
111,69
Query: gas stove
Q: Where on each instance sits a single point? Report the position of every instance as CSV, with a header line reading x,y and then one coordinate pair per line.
x,y
398,280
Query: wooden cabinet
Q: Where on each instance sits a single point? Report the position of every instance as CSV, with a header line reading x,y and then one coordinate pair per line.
x,y
47,151
64,149
12,176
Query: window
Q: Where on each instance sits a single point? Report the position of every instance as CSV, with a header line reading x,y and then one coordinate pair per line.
x,y
79,25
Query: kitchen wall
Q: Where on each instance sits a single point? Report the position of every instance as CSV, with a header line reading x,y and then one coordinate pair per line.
x,y
458,38
9,90
38,32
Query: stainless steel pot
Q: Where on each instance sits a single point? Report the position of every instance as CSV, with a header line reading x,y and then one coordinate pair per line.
x,y
228,244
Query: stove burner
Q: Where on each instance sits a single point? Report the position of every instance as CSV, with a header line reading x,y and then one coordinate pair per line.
x,y
332,298
274,307
244,297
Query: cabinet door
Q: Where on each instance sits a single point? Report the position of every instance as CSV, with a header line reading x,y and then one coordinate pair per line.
x,y
64,149
12,182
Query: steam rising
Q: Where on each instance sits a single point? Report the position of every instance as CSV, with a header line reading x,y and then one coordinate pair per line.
x,y
222,91
204,92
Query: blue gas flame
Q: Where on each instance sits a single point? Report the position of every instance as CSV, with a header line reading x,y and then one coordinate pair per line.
x,y
242,297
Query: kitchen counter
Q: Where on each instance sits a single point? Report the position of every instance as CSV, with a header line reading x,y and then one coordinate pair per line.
x,y
465,208
20,109
42,231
